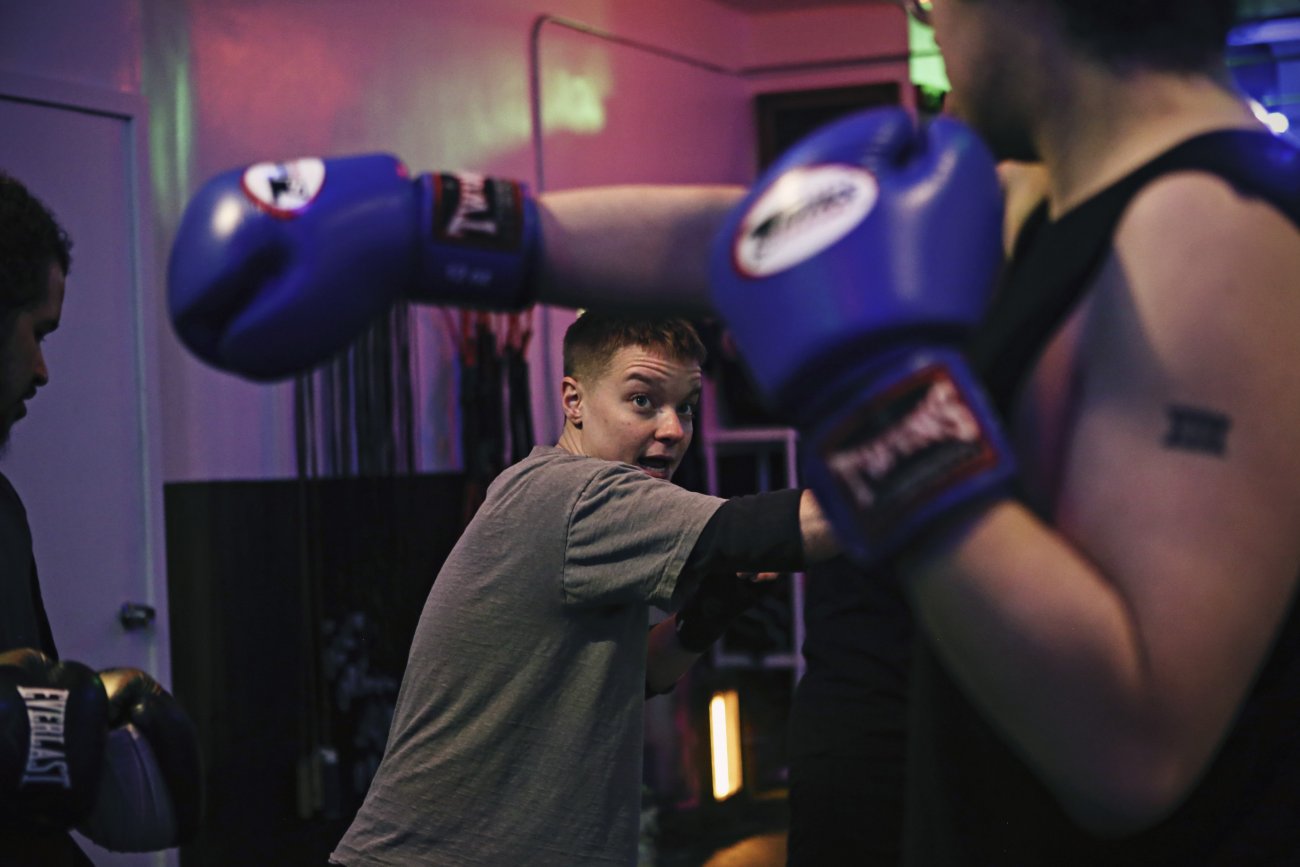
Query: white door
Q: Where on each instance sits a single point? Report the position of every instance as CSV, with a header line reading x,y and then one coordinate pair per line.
x,y
85,459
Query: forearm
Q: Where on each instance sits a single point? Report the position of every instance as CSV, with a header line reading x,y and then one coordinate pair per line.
x,y
666,659
631,247
1051,653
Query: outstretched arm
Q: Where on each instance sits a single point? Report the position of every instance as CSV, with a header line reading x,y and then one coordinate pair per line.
x,y
631,247
257,233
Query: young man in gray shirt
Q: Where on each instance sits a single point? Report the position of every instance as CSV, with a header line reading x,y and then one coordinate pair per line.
x,y
517,737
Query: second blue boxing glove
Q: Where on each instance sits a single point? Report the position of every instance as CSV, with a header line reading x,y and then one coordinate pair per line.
x,y
849,277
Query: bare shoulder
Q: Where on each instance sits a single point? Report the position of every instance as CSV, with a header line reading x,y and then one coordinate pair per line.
x,y
1189,367
1181,479
1209,273
1199,230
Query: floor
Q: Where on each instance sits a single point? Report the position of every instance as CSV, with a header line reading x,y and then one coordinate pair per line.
x,y
741,833
763,850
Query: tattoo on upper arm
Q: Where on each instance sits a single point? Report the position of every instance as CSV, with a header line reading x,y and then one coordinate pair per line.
x,y
1195,429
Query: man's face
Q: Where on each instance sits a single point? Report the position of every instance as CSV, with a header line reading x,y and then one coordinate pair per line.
x,y
990,63
640,411
22,364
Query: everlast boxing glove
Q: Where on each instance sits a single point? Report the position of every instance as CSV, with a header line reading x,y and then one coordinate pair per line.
x,y
151,787
849,277
278,266
53,721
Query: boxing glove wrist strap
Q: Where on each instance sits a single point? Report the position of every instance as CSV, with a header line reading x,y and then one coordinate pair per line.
x,y
481,242
917,440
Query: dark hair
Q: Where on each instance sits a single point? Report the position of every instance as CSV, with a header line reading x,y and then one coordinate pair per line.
x,y
1173,35
591,341
30,240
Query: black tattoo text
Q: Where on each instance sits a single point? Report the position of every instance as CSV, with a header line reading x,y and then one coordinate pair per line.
x,y
1195,429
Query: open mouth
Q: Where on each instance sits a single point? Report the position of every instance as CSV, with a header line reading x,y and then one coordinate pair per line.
x,y
659,467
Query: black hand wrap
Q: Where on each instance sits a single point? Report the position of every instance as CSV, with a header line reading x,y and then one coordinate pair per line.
x,y
53,722
720,599
756,533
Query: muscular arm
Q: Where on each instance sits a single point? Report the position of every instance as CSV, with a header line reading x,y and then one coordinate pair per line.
x,y
1114,648
635,247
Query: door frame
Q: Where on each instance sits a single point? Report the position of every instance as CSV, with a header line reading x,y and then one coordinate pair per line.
x,y
131,110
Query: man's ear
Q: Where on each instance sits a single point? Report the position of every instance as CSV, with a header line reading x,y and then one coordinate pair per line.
x,y
571,400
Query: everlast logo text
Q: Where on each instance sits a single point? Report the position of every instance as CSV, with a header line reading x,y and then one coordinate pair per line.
x,y
941,418
47,760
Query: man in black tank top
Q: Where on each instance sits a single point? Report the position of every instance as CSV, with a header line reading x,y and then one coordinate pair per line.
x,y
1109,669
1244,808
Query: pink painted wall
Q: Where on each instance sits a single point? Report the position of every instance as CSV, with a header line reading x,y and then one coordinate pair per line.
x,y
835,45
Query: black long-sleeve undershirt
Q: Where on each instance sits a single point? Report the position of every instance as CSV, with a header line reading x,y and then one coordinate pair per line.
x,y
755,533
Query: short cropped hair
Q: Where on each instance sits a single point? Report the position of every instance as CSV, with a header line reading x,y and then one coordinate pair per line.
x,y
31,239
592,340
1170,35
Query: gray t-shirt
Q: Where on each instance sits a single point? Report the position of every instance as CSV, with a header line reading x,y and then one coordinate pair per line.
x,y
517,737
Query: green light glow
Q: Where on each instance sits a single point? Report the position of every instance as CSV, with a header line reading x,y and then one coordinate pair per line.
x,y
168,86
925,63
573,102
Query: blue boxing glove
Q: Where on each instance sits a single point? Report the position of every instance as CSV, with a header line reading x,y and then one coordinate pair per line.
x,y
849,278
278,266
